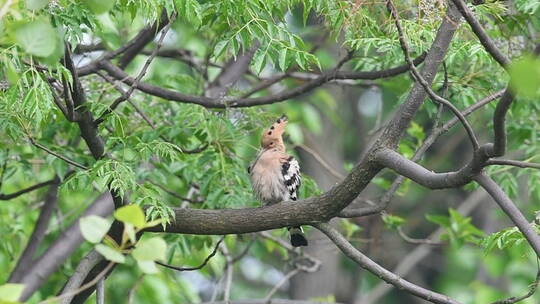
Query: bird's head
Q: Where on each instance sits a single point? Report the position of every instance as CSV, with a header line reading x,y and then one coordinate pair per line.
x,y
272,137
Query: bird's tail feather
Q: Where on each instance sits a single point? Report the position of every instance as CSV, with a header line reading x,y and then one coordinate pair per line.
x,y
297,236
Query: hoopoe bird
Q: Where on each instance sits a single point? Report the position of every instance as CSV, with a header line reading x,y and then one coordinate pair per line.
x,y
275,175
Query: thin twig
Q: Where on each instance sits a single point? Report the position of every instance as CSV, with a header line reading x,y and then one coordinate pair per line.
x,y
244,252
67,160
96,279
131,292
515,163
214,252
321,161
532,289
228,273
5,197
410,240
283,280
100,291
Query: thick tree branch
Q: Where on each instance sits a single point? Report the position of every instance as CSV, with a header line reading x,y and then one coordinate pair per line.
x,y
233,70
130,49
86,120
424,83
354,254
479,31
27,257
399,123
141,74
82,270
403,166
428,142
61,249
511,210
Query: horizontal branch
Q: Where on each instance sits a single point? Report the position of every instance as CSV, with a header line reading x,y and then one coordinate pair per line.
x,y
235,102
285,214
515,163
6,197
376,269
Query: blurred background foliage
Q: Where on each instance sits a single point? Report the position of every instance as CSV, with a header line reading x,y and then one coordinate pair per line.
x,y
476,260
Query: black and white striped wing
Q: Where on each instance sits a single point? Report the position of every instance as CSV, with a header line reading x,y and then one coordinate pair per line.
x,y
291,177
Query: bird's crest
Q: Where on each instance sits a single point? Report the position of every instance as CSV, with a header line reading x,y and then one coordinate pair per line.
x,y
272,137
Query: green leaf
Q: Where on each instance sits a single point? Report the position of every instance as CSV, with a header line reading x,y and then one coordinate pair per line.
x,y
220,48
525,75
259,61
110,254
392,221
11,292
283,59
99,7
148,267
441,220
11,72
37,38
130,232
36,4
94,228
132,214
150,249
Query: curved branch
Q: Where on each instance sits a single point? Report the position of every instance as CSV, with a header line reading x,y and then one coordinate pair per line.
x,y
376,269
479,31
499,117
210,256
532,289
511,210
406,167
383,203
